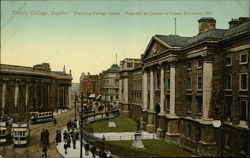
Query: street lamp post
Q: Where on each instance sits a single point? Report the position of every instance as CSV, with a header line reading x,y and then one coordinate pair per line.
x,y
81,126
75,105
218,124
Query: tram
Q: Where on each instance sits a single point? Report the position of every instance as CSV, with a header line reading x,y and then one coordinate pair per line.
x,y
5,129
20,133
39,117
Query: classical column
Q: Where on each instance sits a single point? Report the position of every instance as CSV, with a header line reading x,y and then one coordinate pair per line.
x,y
126,90
151,112
207,87
172,89
35,95
120,90
16,94
26,94
3,97
41,95
69,96
58,96
48,94
162,90
151,108
145,90
66,96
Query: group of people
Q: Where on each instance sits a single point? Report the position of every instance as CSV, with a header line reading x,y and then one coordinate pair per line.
x,y
70,135
96,151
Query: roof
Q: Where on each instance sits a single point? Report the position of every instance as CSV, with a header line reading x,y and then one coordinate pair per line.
x,y
59,72
213,34
173,40
238,29
113,68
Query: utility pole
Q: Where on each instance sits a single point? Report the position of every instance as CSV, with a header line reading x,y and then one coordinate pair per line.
x,y
174,26
81,125
75,105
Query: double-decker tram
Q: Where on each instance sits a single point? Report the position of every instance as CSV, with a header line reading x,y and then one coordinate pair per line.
x,y
5,129
41,116
20,133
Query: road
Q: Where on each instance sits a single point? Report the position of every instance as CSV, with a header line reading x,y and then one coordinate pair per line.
x,y
33,149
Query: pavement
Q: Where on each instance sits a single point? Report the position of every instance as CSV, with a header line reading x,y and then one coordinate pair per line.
x,y
108,136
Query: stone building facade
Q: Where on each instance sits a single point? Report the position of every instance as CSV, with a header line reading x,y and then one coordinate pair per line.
x,y
187,82
25,88
89,84
129,93
109,84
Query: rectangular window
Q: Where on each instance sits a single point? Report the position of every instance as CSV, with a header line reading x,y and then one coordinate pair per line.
x,y
189,103
129,64
168,84
243,81
189,83
199,104
243,109
228,82
199,64
228,61
168,103
228,106
189,65
244,58
199,83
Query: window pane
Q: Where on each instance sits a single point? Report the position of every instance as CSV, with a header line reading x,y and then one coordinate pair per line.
x,y
243,81
243,58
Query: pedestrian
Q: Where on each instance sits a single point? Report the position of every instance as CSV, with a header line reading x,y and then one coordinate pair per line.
x,y
55,122
86,147
64,135
93,150
59,135
65,147
77,135
69,142
45,149
74,141
108,154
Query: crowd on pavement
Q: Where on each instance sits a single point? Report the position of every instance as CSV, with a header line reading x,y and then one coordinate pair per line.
x,y
71,136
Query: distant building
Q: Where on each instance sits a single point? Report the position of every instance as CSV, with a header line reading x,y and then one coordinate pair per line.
x,y
109,84
25,88
89,84
75,88
126,83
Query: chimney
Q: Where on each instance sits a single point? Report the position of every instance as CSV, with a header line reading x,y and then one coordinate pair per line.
x,y
233,23
243,20
206,24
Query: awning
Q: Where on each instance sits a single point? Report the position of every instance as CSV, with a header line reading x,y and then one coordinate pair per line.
x,y
92,96
99,96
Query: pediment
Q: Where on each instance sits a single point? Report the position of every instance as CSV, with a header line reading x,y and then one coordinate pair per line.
x,y
154,47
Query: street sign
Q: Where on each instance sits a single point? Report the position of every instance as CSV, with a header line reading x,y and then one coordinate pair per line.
x,y
216,123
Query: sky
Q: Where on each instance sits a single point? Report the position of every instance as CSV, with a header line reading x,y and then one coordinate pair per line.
x,y
86,35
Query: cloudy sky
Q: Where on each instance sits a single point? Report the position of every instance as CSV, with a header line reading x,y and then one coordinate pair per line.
x,y
86,35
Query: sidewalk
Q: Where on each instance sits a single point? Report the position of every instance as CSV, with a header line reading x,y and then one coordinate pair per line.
x,y
108,136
